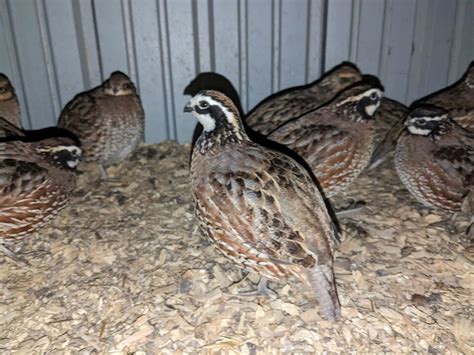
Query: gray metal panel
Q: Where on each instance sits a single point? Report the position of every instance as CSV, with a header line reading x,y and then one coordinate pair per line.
x,y
67,71
397,47
53,49
370,30
293,54
226,41
182,63
338,32
29,40
259,51
110,20
150,75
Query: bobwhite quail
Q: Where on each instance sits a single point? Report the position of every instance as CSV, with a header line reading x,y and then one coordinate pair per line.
x,y
294,102
457,99
435,160
108,120
9,105
259,207
337,139
36,178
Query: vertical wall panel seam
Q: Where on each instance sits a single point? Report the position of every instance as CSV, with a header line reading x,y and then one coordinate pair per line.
x,y
324,33
456,43
355,26
96,32
412,53
386,40
243,45
16,66
212,37
247,79
308,42
48,57
197,46
81,45
129,40
166,68
276,45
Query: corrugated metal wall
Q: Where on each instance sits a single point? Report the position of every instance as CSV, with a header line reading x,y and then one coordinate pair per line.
x,y
53,49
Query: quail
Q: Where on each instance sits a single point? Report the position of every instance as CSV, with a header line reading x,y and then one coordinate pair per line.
x,y
457,99
288,104
108,120
259,207
434,159
388,118
9,105
36,179
337,139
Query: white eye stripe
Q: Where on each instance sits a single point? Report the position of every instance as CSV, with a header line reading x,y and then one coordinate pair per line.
x,y
419,131
360,96
428,118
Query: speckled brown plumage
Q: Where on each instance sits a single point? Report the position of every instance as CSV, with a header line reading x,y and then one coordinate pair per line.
x,y
337,139
259,207
294,102
108,120
457,100
36,179
435,159
9,105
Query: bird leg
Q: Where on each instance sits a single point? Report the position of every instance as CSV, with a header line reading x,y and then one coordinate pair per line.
x,y
103,172
448,224
7,252
321,279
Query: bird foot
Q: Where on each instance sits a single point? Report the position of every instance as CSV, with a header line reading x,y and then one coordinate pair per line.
x,y
262,290
350,208
7,252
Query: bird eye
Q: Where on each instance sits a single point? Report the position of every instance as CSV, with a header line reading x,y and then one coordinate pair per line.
x,y
203,104
373,96
2,90
421,121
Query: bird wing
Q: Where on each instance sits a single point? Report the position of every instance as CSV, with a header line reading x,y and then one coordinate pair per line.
x,y
319,144
7,129
267,208
22,188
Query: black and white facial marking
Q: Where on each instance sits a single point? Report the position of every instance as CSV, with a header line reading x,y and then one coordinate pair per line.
x,y
430,122
63,156
366,102
218,116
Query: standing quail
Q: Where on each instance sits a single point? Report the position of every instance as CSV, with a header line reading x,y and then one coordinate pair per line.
x,y
9,105
36,179
108,120
259,207
288,104
457,99
435,160
337,139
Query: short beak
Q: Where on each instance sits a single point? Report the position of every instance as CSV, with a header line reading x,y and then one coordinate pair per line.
x,y
188,107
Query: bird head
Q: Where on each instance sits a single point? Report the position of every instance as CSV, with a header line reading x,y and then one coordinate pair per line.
x,y
429,121
119,84
6,88
60,152
216,112
360,101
